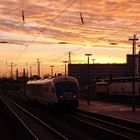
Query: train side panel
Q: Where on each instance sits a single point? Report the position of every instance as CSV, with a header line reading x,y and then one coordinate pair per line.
x,y
41,92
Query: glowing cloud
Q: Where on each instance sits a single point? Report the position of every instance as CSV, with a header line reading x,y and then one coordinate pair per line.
x,y
96,24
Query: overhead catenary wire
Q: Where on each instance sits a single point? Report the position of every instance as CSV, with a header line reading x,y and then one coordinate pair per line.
x,y
67,43
63,57
44,28
53,21
21,53
23,12
23,23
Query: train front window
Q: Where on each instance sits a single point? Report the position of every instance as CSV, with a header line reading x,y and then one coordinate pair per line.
x,y
66,87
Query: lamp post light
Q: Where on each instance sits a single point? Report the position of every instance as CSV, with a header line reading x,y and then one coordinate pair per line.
x,y
88,100
133,39
52,70
65,67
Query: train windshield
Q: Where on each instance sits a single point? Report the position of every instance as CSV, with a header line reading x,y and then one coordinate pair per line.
x,y
66,86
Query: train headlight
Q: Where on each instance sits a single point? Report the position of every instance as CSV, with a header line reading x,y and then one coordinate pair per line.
x,y
61,96
74,96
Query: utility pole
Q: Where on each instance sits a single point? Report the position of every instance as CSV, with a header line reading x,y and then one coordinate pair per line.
x,y
11,65
26,69
24,80
69,63
65,67
38,67
134,38
51,70
17,74
30,71
6,68
88,100
24,73
69,57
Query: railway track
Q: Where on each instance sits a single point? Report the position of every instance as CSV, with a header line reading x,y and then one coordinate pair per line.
x,y
37,129
57,120
84,125
10,127
109,127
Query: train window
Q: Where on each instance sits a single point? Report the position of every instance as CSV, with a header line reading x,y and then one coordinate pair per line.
x,y
66,86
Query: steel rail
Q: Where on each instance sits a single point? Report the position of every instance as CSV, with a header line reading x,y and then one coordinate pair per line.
x,y
29,130
58,134
109,127
110,123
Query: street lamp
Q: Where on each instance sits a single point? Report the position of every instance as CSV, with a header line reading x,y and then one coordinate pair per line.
x,y
133,39
88,102
51,70
65,66
11,70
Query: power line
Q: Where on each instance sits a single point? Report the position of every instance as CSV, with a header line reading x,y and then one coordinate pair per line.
x,y
23,18
21,53
51,22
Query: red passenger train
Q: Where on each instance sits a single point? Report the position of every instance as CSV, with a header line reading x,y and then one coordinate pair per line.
x,y
60,91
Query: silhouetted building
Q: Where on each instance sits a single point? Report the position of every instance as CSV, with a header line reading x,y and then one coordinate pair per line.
x,y
103,71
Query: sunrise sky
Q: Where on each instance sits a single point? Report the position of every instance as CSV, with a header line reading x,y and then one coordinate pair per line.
x,y
52,28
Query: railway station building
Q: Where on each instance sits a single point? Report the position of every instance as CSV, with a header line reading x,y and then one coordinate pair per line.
x,y
104,71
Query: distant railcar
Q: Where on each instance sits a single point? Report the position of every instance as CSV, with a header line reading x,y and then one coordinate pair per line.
x,y
124,88
61,91
121,86
102,87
